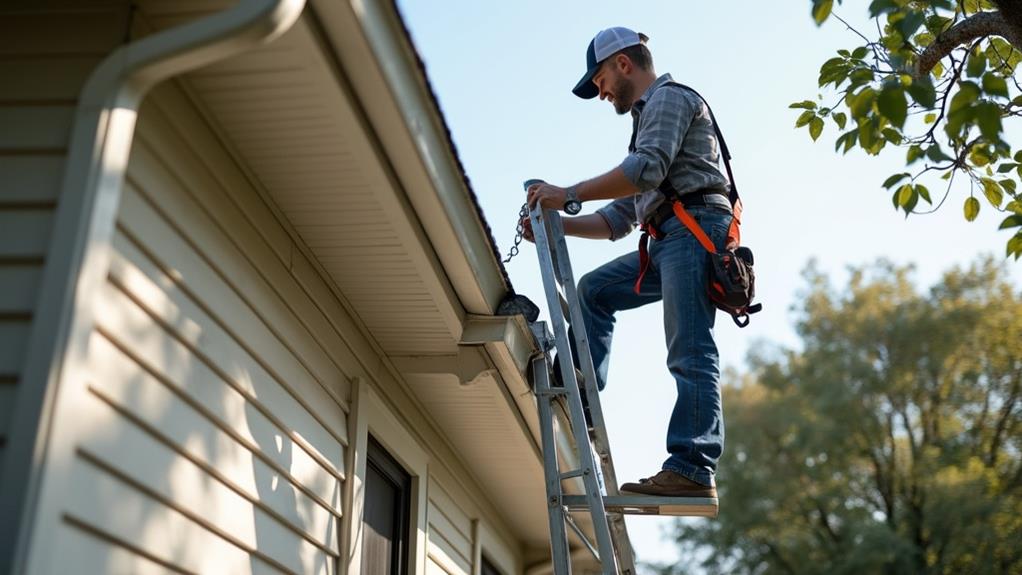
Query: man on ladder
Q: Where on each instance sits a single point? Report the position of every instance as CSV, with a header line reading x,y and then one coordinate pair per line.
x,y
673,156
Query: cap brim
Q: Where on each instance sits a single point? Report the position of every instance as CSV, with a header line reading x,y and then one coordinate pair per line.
x,y
585,88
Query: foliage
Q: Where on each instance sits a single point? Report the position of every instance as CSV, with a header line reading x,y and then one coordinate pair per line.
x,y
936,80
889,444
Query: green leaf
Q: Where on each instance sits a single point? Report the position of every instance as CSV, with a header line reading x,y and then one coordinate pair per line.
x,y
862,103
923,93
930,118
1007,167
868,136
1001,54
914,153
816,128
804,104
1012,221
841,118
979,157
892,104
924,193
988,118
995,85
971,209
910,23
877,7
847,140
904,195
1014,206
895,179
1015,245
805,118
968,92
860,52
992,190
1008,185
935,154
821,10
861,76
976,65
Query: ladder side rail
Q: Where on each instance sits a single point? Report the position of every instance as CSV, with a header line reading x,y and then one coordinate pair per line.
x,y
545,250
616,523
586,363
556,513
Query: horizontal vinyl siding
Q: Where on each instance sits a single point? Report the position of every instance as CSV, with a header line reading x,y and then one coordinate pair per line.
x,y
450,534
47,51
220,390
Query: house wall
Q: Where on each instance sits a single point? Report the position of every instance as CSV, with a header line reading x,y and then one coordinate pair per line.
x,y
210,430
47,50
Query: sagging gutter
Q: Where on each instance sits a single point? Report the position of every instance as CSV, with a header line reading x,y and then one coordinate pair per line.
x,y
38,457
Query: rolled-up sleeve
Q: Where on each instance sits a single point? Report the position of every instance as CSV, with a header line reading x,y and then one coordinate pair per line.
x,y
662,126
620,216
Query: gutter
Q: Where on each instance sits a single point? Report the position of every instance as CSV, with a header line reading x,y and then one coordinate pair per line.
x,y
36,466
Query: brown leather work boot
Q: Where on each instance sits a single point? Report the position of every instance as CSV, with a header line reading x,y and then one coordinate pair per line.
x,y
668,484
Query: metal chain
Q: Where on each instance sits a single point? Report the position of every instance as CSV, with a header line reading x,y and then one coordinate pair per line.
x,y
519,232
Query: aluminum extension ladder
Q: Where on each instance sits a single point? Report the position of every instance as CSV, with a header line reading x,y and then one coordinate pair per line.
x,y
605,506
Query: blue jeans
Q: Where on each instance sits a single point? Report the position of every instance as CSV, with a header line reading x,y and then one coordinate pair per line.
x,y
677,275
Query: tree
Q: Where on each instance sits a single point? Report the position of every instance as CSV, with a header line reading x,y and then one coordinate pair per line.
x,y
937,79
891,443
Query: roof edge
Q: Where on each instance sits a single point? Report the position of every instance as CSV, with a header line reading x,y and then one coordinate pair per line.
x,y
404,71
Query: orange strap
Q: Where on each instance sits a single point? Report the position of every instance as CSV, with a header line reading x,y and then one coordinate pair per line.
x,y
693,226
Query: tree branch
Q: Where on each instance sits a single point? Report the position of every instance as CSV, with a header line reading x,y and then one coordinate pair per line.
x,y
969,29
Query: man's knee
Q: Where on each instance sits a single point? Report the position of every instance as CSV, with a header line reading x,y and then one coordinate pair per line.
x,y
587,288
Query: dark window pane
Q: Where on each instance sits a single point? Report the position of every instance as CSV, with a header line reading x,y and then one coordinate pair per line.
x,y
385,520
488,568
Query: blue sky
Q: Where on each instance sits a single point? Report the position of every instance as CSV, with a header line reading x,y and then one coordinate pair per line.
x,y
503,72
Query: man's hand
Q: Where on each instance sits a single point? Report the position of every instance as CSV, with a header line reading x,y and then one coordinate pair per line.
x,y
548,196
527,234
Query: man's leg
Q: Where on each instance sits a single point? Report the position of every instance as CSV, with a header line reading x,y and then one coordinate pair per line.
x,y
695,434
605,291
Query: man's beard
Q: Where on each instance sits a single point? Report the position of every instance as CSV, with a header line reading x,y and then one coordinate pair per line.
x,y
624,96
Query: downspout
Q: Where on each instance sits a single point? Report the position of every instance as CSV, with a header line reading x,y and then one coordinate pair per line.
x,y
38,456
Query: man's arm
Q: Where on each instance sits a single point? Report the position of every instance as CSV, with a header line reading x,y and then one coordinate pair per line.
x,y
590,226
614,184
610,186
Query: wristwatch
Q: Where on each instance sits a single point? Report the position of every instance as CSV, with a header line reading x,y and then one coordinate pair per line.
x,y
572,205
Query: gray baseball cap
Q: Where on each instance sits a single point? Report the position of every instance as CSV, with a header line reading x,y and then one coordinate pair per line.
x,y
604,44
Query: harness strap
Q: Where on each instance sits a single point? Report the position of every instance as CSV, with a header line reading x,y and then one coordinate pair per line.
x,y
643,259
694,227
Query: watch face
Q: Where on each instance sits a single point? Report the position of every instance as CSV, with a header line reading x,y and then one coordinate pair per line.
x,y
573,207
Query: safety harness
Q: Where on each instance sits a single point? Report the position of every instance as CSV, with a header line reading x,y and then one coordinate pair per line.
x,y
732,283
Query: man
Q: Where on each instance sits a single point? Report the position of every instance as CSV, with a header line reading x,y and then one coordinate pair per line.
x,y
674,155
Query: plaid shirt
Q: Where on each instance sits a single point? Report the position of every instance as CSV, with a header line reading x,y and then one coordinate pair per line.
x,y
674,139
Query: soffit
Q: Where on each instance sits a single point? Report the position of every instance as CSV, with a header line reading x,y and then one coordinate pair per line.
x,y
285,110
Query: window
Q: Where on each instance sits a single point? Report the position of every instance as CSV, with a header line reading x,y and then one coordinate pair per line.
x,y
488,568
385,518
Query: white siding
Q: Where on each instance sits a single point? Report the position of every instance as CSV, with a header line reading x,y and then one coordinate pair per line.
x,y
47,50
450,534
217,390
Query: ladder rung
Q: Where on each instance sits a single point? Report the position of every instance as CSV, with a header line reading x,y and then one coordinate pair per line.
x,y
649,505
573,473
